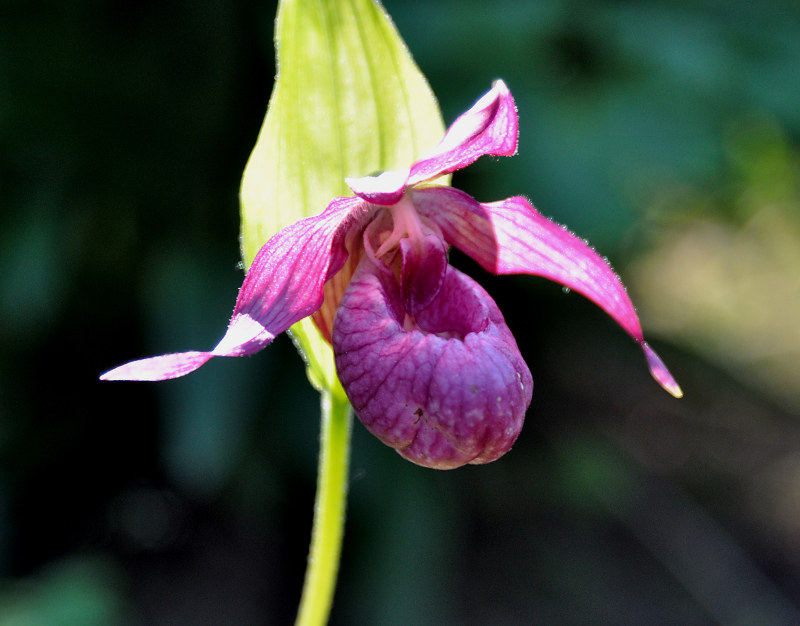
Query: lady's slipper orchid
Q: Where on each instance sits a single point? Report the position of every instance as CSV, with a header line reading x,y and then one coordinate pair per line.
x,y
422,351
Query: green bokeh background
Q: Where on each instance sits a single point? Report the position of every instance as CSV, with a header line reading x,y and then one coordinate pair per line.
x,y
665,132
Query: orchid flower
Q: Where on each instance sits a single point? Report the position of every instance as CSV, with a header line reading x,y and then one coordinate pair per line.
x,y
422,351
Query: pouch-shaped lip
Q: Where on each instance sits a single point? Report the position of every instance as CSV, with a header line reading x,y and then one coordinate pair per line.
x,y
450,389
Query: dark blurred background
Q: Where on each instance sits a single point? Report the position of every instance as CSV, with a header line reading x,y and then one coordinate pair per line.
x,y
666,132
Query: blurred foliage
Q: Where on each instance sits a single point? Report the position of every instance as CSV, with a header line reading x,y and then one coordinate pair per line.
x,y
79,592
723,274
666,132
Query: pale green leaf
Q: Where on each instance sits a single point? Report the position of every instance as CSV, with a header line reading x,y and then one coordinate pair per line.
x,y
349,101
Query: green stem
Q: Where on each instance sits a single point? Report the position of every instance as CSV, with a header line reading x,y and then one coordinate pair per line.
x,y
329,512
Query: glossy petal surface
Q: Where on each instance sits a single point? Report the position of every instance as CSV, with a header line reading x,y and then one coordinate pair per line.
x,y
448,390
489,127
284,285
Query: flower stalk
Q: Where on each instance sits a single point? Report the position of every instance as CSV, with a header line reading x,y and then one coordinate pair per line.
x,y
329,511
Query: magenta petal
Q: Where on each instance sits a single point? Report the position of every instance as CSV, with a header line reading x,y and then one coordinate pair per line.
x,y
511,237
284,285
489,127
450,390
423,273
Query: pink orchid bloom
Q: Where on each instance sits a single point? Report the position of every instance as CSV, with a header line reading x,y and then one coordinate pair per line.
x,y
421,350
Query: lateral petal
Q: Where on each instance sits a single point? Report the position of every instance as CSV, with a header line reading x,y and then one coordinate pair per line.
x,y
512,237
489,127
445,391
284,285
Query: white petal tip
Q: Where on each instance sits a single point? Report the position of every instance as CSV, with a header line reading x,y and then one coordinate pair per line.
x,y
384,188
156,368
661,373
500,85
672,387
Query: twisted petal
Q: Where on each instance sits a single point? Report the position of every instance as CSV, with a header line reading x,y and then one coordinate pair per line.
x,y
511,237
284,285
489,127
448,390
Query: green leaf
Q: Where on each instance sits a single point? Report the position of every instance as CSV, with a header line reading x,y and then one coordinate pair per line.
x,y
349,101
